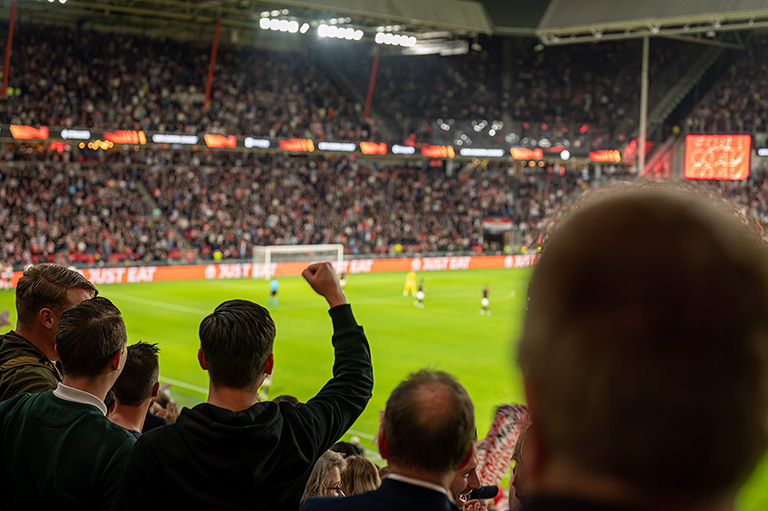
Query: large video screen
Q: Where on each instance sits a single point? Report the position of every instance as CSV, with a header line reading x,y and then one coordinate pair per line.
x,y
717,157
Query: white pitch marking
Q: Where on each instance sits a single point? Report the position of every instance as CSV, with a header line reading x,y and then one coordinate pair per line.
x,y
155,303
183,385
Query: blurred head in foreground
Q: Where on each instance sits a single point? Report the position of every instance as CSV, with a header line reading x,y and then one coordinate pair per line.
x,y
645,353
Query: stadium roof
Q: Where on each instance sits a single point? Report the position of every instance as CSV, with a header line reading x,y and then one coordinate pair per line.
x,y
553,21
567,21
459,16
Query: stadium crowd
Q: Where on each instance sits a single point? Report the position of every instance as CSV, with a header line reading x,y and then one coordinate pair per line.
x,y
62,77
162,206
59,210
77,428
582,95
92,209
281,200
738,101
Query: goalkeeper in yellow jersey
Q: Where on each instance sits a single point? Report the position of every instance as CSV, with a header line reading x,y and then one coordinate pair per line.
x,y
410,284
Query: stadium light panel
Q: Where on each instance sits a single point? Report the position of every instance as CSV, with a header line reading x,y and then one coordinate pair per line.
x,y
304,28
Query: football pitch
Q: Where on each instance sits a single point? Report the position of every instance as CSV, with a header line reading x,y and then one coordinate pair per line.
x,y
448,334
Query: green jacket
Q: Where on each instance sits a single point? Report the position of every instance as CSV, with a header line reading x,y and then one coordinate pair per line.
x,y
58,454
24,368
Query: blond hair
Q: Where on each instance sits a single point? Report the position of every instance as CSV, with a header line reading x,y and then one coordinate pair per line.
x,y
361,476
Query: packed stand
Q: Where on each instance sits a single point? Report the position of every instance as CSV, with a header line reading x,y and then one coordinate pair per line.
x,y
232,202
62,77
69,210
222,205
737,102
554,93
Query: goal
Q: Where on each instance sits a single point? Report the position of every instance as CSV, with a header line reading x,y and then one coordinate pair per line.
x,y
272,255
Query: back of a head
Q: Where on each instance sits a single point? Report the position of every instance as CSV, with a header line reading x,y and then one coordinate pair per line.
x,y
88,335
362,475
645,348
428,423
46,285
137,381
236,340
347,449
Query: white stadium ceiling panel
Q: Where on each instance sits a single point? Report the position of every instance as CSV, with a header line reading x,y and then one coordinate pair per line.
x,y
459,15
567,21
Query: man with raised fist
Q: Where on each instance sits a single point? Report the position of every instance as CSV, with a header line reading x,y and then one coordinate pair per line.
x,y
234,448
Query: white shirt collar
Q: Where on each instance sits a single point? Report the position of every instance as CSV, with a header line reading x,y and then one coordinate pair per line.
x,y
418,482
68,393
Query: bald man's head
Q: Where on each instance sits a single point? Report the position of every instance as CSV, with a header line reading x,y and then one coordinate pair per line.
x,y
429,422
645,348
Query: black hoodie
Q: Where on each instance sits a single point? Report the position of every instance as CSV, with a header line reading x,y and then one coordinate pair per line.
x,y
259,458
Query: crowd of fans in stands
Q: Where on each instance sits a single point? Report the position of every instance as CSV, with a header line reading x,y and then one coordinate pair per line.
x,y
585,95
61,77
59,210
129,208
93,210
738,101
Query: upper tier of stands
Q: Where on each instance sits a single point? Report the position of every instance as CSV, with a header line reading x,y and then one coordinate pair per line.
x,y
509,94
739,100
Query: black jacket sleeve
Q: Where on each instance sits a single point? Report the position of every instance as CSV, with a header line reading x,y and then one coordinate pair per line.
x,y
341,401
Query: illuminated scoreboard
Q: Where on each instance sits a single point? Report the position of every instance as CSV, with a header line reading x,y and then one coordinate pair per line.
x,y
717,156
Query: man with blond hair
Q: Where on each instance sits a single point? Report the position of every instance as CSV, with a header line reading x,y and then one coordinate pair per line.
x,y
625,350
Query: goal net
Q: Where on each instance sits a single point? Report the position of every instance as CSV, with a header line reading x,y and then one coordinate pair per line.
x,y
271,256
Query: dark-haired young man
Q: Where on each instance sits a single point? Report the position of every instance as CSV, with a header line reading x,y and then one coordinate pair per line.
x,y
136,387
236,452
59,451
426,435
28,361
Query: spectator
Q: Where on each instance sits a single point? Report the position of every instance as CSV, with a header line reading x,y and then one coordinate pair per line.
x,y
28,359
136,387
361,476
347,449
234,447
518,484
325,478
426,435
465,480
59,449
162,411
619,359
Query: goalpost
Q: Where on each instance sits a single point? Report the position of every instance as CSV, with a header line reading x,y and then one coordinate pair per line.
x,y
273,254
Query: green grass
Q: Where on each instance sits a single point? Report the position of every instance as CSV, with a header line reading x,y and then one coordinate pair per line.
x,y
448,334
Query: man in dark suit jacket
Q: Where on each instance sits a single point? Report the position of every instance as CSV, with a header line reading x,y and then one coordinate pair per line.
x,y
426,435
646,370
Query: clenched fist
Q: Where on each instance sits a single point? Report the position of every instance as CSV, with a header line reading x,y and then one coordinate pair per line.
x,y
323,279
